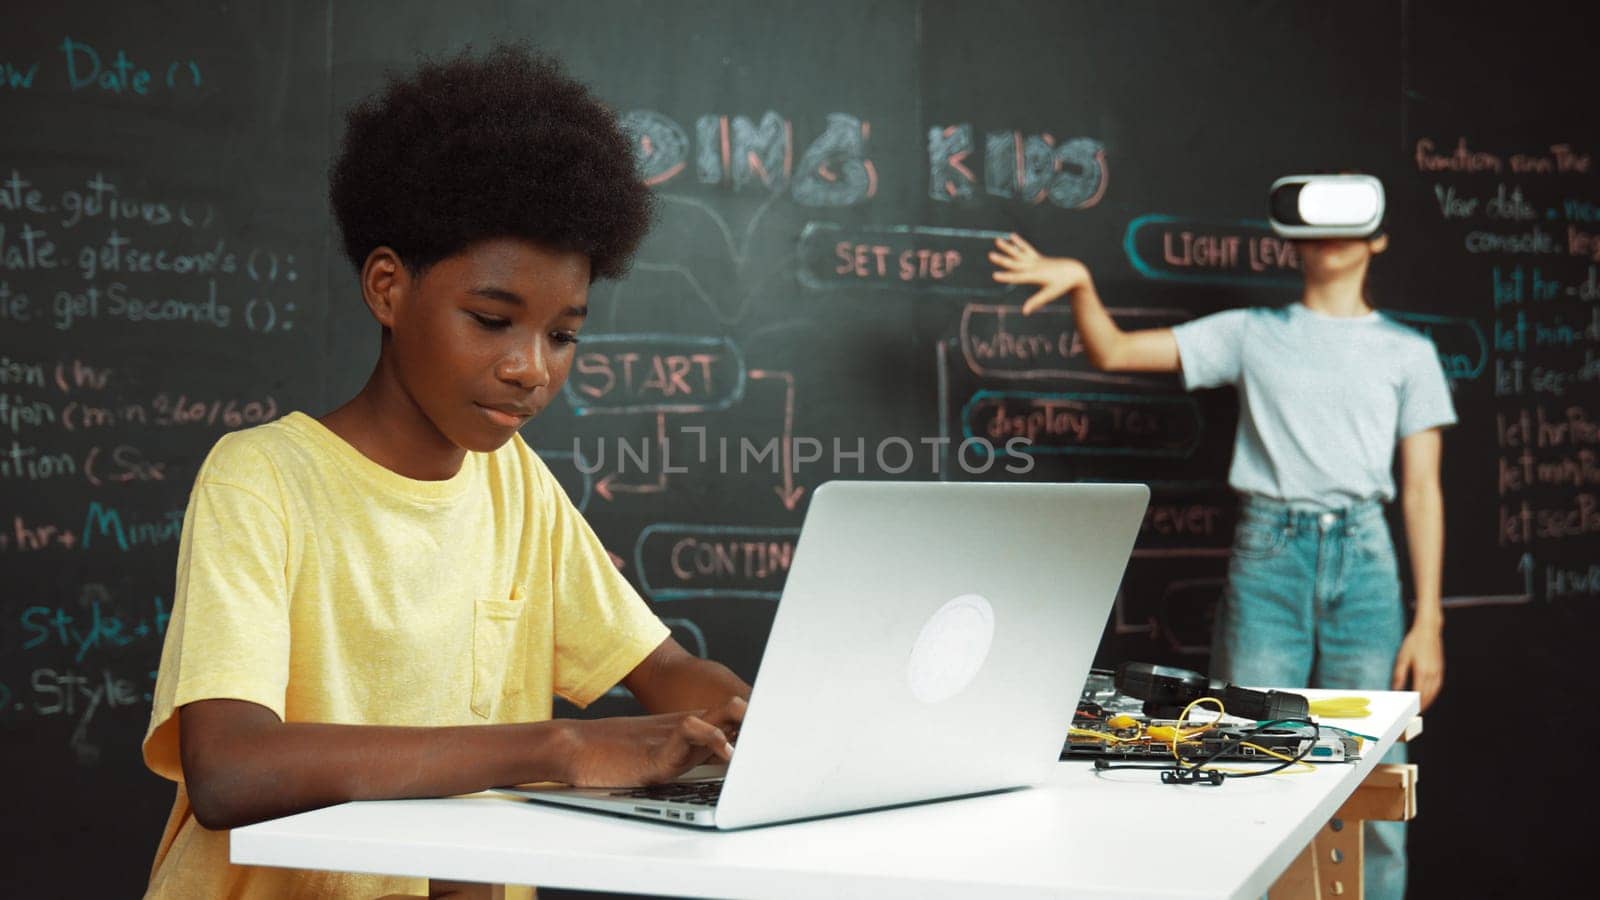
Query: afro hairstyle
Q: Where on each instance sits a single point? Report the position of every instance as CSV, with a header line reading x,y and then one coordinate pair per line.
x,y
471,148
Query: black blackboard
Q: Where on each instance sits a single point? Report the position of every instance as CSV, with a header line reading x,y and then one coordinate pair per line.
x,y
829,177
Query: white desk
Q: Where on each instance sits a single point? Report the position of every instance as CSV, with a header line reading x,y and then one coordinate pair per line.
x,y
1083,835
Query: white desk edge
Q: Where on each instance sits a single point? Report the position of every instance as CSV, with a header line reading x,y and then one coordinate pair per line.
x,y
1115,834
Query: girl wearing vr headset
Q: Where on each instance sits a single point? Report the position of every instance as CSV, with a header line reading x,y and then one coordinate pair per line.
x,y
1328,388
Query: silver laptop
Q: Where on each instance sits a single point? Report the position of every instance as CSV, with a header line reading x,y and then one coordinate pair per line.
x,y
931,642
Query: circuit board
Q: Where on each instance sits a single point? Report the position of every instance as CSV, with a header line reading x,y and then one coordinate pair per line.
x,y
1112,726
1150,740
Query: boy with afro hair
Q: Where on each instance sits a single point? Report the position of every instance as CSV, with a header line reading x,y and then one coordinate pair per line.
x,y
381,601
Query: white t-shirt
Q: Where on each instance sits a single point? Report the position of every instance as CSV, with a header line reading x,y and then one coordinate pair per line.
x,y
1323,400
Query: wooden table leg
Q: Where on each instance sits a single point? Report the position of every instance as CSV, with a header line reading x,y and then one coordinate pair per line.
x,y
1330,866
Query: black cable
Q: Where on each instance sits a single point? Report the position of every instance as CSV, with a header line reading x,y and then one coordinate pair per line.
x,y
1178,773
1306,748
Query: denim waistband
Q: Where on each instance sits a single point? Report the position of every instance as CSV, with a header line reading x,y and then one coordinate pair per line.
x,y
1259,508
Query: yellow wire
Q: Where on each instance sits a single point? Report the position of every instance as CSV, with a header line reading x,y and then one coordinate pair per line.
x,y
1165,733
1173,735
1178,728
1220,713
1304,766
1100,735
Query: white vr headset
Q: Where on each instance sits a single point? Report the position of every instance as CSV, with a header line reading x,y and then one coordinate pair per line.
x,y
1307,207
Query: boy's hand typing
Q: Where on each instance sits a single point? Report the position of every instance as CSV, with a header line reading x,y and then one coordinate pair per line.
x,y
639,750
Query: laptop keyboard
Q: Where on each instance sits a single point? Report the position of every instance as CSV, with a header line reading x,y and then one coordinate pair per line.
x,y
699,793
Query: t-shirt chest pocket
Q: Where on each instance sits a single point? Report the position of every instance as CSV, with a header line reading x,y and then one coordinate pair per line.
x,y
499,652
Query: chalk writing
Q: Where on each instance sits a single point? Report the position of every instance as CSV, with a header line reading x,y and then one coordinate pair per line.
x,y
79,375
100,628
15,306
17,78
26,250
836,168
999,342
24,537
107,522
1031,168
905,258
110,249
1172,248
100,464
788,492
1462,347
1526,522
28,462
1531,241
1518,284
121,464
119,75
741,151
1188,520
631,373
1583,243
17,194
19,413
1523,471
71,694
1562,582
1098,424
181,409
1539,344
679,561
1539,427
660,148
118,254
17,372
1507,203
611,482
1460,159
1559,159
1514,376
114,301
101,198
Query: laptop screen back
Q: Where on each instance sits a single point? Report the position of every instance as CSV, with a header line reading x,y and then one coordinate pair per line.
x,y
931,642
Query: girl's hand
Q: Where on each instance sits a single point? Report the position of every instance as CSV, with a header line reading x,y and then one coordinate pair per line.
x,y
1420,664
1018,263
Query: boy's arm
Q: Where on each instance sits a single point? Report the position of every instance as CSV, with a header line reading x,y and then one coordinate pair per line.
x,y
242,764
1109,347
671,679
1421,659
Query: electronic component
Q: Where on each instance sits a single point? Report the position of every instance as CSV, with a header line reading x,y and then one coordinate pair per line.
x,y
1151,741
1112,725
1166,690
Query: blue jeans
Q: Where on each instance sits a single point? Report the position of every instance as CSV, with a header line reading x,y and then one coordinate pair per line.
x,y
1313,600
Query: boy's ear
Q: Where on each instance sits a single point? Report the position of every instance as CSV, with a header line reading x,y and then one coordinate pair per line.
x,y
1379,244
384,284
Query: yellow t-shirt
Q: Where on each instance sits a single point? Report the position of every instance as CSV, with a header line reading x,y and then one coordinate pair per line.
x,y
327,588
